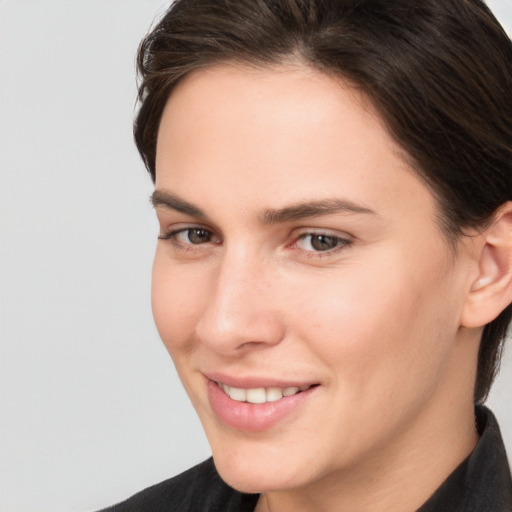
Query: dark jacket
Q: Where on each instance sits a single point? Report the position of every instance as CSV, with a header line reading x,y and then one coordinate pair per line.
x,y
482,483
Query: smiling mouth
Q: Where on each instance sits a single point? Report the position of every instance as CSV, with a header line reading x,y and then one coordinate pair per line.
x,y
262,395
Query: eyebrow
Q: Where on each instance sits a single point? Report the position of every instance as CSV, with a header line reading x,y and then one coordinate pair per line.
x,y
294,212
172,202
315,208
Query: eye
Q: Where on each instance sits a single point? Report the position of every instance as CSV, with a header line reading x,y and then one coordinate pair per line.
x,y
319,242
194,236
189,236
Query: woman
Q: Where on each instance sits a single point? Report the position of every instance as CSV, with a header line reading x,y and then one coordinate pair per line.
x,y
333,277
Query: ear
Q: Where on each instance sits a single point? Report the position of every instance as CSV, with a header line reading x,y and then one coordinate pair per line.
x,y
491,290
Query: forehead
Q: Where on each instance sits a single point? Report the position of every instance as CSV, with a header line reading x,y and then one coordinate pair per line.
x,y
290,130
265,103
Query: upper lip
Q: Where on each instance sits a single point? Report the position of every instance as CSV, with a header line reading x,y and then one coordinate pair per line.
x,y
252,382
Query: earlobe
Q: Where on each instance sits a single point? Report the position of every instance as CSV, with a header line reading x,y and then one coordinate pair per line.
x,y
491,291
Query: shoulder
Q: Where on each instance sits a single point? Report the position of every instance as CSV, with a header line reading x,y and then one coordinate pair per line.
x,y
483,481
199,488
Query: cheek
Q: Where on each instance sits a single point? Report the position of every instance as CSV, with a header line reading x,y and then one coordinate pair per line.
x,y
387,329
175,299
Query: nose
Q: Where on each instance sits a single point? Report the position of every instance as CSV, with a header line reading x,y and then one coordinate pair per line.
x,y
241,311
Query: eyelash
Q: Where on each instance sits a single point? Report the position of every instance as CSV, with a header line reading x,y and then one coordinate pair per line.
x,y
172,237
341,243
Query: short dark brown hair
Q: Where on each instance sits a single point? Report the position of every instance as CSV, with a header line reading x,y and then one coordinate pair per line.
x,y
439,72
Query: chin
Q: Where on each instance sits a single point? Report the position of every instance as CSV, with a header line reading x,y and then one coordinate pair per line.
x,y
261,472
252,481
242,482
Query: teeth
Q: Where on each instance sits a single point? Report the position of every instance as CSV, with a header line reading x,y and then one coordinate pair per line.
x,y
237,394
290,391
260,395
274,394
256,396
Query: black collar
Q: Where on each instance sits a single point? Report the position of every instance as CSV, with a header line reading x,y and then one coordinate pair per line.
x,y
482,483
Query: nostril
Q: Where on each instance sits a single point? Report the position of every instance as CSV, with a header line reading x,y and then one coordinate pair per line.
x,y
252,344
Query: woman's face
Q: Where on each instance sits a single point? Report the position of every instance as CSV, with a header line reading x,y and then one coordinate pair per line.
x,y
301,270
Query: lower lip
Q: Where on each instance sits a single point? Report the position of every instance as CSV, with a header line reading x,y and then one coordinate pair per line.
x,y
253,417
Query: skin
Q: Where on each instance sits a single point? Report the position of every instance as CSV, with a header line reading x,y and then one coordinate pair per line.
x,y
375,320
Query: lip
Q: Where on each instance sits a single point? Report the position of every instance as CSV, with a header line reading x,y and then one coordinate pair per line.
x,y
251,382
255,417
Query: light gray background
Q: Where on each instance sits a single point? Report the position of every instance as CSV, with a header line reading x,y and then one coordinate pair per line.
x,y
91,410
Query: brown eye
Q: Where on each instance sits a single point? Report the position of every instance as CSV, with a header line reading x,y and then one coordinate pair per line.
x,y
320,242
197,235
190,236
324,242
